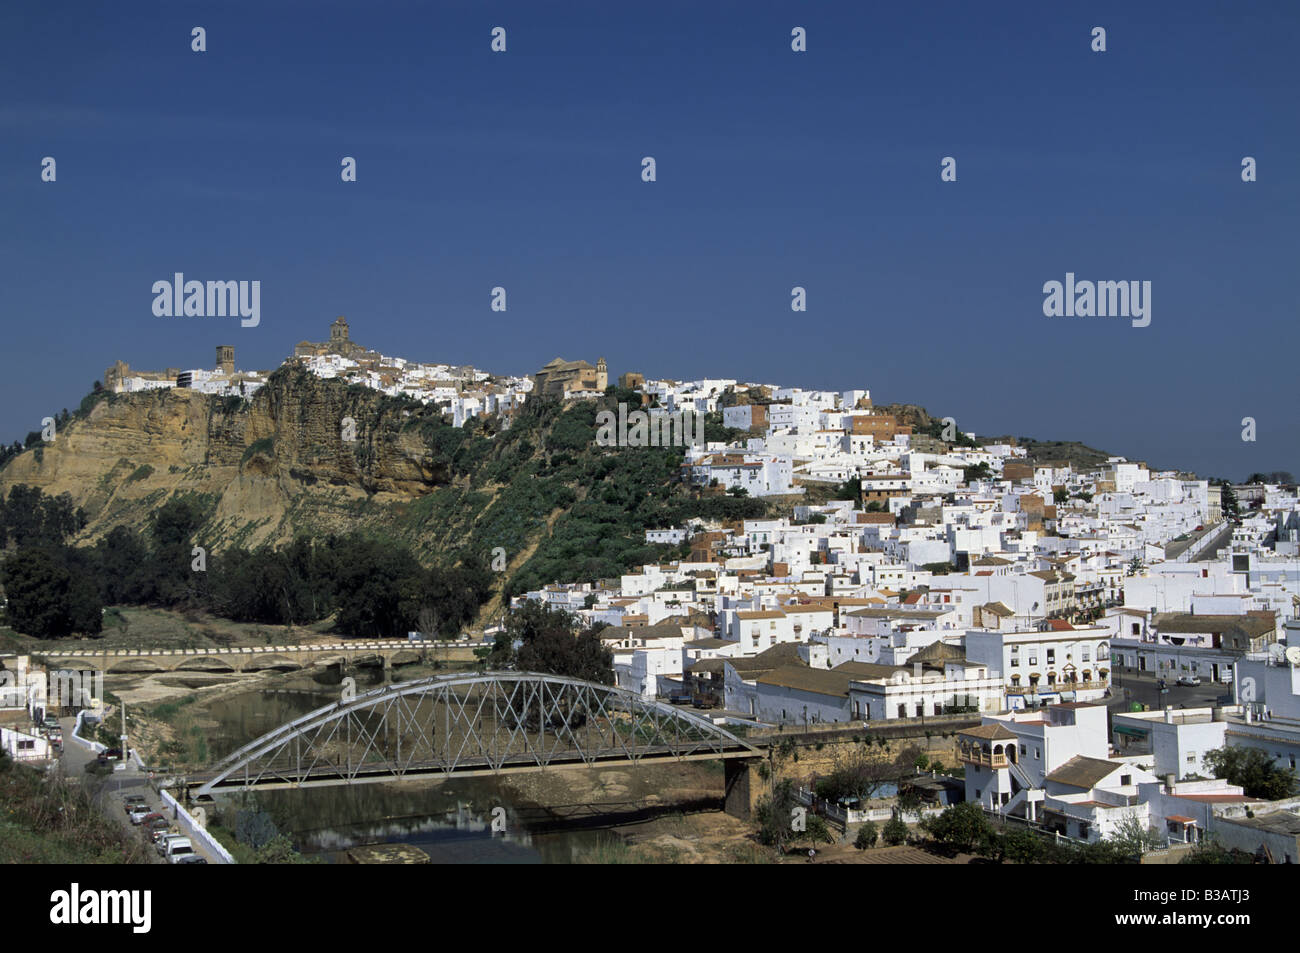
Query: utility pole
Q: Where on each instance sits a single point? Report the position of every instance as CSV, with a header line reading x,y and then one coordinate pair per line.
x,y
124,748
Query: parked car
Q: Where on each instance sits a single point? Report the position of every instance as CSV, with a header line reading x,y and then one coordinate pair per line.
x,y
177,848
164,840
157,829
129,799
1191,680
190,859
112,753
138,813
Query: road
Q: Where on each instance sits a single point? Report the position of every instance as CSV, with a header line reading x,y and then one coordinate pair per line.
x,y
129,780
1129,687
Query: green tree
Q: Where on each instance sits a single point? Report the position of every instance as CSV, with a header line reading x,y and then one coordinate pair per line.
x,y
1253,770
961,828
1210,851
1132,838
863,771
46,600
1020,845
850,489
894,832
817,831
1228,503
775,814
868,834
540,638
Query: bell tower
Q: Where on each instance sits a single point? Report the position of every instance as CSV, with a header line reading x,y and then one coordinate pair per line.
x,y
226,359
339,334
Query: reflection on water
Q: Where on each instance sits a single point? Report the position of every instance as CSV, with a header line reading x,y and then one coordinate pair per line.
x,y
449,820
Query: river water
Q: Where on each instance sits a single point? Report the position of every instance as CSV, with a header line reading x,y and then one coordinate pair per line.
x,y
450,820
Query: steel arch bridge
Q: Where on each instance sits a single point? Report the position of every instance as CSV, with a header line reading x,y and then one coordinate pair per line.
x,y
466,725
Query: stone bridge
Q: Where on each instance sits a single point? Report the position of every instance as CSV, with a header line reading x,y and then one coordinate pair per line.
x,y
256,658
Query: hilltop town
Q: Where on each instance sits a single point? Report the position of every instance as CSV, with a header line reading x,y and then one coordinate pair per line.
x,y
878,568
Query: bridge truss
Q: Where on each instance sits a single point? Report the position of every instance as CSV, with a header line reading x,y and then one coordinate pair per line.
x,y
468,724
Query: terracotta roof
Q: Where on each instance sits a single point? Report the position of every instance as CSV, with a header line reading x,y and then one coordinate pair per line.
x,y
819,681
1084,772
991,732
783,653
938,651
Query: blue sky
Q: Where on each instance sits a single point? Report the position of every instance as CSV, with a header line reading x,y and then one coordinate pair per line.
x,y
775,169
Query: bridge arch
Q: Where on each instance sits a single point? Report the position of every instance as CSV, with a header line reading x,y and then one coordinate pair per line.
x,y
468,724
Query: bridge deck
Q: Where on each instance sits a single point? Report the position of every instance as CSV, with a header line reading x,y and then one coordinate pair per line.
x,y
384,772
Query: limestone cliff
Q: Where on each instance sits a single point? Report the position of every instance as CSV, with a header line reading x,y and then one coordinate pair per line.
x,y
268,465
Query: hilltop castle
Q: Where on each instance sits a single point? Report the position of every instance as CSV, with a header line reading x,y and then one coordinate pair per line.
x,y
563,379
339,343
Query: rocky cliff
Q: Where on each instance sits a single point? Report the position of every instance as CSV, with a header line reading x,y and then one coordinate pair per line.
x,y
267,466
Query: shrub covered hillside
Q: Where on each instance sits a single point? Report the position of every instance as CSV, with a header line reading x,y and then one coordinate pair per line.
x,y
294,529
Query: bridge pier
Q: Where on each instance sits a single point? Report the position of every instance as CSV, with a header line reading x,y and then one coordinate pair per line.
x,y
743,786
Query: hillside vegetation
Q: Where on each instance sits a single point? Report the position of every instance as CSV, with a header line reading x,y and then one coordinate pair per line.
x,y
132,478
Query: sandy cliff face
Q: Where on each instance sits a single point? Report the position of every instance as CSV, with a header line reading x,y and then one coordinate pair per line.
x,y
259,460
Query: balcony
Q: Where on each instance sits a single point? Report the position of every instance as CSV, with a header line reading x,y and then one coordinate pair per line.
x,y
985,759
1051,688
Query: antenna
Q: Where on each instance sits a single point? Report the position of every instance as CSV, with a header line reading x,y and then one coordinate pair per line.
x,y
1277,650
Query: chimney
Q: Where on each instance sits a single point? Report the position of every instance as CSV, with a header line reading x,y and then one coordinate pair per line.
x,y
1169,714
1169,783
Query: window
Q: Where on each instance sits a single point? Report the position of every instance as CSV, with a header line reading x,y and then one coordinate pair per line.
x,y
1051,656
1087,654
1125,780
1023,751
1137,628
1033,660
1037,754
1191,759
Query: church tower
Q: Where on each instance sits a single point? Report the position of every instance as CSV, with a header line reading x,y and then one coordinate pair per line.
x,y
602,374
339,343
226,359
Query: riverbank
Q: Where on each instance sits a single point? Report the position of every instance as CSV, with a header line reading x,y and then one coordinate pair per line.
x,y
48,818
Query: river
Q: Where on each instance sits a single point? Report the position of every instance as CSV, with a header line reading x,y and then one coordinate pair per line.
x,y
450,820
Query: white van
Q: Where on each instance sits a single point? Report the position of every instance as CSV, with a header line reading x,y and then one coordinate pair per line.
x,y
177,848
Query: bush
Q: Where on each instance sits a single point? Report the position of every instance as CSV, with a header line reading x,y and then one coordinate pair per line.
x,y
817,830
1021,846
962,828
895,831
868,834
